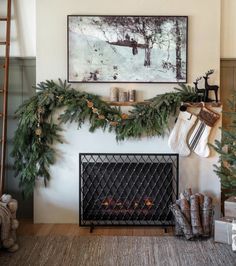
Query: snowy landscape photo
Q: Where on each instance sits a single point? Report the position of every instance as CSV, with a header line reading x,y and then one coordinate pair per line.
x,y
127,49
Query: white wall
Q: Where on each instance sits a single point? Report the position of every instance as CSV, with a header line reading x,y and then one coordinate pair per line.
x,y
23,41
228,29
23,28
59,201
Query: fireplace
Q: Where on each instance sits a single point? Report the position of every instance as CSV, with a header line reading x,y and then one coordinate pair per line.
x,y
127,189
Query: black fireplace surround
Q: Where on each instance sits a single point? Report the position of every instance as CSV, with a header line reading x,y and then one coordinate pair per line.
x,y
127,189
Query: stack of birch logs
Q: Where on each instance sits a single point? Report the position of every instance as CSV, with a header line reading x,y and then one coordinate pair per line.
x,y
193,215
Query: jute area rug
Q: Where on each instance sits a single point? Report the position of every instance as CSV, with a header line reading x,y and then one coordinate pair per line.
x,y
117,251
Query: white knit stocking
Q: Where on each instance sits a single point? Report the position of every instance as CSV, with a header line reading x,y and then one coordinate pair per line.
x,y
178,137
199,139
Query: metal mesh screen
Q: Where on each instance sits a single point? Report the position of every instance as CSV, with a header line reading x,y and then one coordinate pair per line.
x,y
127,189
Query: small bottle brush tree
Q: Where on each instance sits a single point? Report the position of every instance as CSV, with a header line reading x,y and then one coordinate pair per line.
x,y
226,170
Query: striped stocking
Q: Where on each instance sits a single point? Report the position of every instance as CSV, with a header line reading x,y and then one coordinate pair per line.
x,y
178,137
199,137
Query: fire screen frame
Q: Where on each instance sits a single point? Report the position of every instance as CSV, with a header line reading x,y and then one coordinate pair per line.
x,y
141,158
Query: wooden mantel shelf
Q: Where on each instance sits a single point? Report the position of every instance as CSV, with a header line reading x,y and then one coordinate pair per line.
x,y
207,104
188,104
126,103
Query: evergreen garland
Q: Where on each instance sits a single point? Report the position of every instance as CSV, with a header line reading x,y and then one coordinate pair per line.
x,y
226,170
32,147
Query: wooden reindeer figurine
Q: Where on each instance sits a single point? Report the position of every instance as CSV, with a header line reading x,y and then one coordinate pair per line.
x,y
201,92
210,87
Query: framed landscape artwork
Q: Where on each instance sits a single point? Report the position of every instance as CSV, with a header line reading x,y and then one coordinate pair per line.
x,y
127,49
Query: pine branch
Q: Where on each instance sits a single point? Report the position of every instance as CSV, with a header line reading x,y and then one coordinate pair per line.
x,y
227,151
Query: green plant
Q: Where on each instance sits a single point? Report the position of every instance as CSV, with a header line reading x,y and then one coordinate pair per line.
x,y
226,170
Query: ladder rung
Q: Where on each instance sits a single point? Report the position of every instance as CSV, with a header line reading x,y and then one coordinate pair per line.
x,y
3,43
3,19
1,114
1,91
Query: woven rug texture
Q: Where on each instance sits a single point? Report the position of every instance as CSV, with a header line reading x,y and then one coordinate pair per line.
x,y
117,251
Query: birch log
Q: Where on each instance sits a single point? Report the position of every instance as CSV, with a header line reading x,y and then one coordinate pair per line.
x,y
182,221
178,230
187,193
207,216
195,216
201,199
185,208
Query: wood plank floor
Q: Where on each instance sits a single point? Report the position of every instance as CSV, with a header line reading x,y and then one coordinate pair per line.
x,y
27,227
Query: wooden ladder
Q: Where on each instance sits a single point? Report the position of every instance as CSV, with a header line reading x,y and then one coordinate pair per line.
x,y
4,91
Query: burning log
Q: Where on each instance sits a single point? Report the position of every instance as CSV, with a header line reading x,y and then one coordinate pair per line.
x,y
148,202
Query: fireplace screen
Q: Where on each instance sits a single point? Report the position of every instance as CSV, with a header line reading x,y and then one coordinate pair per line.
x,y
127,189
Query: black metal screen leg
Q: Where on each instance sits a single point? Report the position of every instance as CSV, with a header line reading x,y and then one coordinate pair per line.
x,y
91,228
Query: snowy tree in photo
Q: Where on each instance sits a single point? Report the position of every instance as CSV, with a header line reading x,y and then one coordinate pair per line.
x,y
127,49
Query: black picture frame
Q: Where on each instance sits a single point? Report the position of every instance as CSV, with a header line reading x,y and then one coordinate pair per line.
x,y
127,49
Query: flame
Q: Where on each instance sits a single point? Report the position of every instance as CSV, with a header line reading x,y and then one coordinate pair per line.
x,y
119,203
106,202
149,202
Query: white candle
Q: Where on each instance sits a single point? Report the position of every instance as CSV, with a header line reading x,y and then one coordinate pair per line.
x,y
114,94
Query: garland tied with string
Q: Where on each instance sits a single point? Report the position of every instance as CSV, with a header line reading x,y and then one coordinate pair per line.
x,y
37,131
